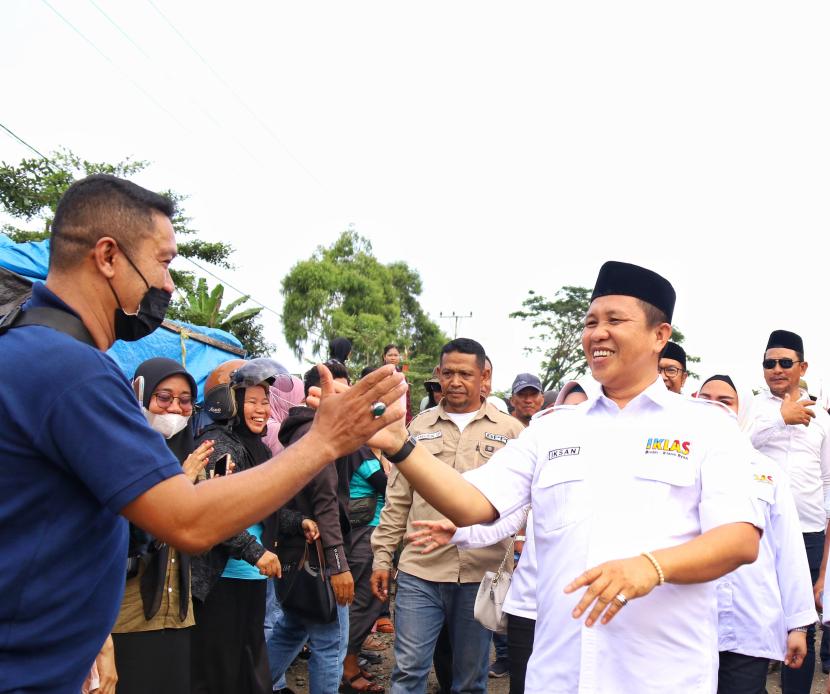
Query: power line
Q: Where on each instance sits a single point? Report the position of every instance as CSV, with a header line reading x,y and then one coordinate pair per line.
x,y
26,144
115,65
207,113
236,94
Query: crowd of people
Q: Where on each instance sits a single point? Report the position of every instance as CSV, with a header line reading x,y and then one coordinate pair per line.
x,y
653,540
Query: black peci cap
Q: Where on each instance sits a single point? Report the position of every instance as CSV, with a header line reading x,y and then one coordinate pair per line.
x,y
632,280
785,339
674,351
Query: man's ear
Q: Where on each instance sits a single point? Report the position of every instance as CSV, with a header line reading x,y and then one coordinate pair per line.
x,y
663,334
104,253
436,372
803,366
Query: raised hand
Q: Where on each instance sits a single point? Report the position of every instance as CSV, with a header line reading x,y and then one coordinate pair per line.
x,y
797,411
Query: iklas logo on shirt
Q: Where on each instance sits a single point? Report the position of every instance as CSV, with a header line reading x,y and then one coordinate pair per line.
x,y
562,452
669,446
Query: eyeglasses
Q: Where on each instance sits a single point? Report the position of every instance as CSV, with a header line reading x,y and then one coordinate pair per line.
x,y
670,371
784,363
165,399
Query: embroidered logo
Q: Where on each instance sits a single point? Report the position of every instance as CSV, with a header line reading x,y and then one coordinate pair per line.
x,y
674,447
428,435
495,437
562,452
766,479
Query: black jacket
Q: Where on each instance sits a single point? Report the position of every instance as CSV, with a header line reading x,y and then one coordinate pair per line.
x,y
319,500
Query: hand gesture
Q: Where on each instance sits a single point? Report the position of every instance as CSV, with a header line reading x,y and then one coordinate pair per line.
x,y
345,420
196,461
343,585
433,534
269,565
796,411
608,582
310,530
380,584
796,649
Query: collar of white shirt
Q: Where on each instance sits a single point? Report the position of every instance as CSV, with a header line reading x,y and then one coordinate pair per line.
x,y
657,393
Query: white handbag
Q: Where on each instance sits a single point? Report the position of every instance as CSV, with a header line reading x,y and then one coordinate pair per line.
x,y
492,592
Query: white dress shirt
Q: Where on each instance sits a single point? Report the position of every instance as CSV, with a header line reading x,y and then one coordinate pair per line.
x,y
607,484
521,596
802,451
760,602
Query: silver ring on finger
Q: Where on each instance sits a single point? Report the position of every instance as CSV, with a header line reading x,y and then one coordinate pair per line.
x,y
378,408
620,598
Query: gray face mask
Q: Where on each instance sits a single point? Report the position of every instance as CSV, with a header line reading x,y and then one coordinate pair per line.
x,y
150,315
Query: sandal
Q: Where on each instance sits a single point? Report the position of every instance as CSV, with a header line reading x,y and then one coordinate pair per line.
x,y
384,625
349,686
373,644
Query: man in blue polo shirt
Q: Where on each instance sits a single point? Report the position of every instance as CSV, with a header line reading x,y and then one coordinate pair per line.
x,y
76,452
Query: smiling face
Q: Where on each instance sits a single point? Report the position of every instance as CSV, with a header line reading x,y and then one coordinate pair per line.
x,y
621,348
780,380
257,408
720,391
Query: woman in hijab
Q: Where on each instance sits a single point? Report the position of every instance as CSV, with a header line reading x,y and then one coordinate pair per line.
x,y
229,581
340,348
281,402
152,632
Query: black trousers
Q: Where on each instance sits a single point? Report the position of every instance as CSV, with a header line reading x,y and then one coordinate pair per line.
x,y
520,631
366,607
742,674
153,661
228,647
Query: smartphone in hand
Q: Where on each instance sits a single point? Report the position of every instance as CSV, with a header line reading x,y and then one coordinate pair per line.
x,y
221,467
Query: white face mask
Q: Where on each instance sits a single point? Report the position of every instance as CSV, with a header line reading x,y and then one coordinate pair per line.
x,y
168,425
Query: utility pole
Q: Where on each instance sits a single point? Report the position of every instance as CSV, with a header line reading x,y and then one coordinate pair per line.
x,y
454,316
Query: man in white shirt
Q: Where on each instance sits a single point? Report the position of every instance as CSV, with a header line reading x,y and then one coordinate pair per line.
x,y
764,608
634,472
789,429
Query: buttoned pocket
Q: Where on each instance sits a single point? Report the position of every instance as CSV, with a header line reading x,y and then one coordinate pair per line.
x,y
559,494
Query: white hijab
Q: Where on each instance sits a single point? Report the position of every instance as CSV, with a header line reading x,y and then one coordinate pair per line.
x,y
746,400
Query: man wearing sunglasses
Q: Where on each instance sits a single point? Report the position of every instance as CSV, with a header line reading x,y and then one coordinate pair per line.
x,y
791,430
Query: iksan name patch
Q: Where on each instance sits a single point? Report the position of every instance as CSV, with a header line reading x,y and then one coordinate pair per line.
x,y
501,438
562,452
426,436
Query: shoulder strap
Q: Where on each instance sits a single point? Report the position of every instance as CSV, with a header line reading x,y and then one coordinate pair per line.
x,y
51,318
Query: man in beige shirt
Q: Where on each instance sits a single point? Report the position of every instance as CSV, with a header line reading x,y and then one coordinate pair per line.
x,y
464,432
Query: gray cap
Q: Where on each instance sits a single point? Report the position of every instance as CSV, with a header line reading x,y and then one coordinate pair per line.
x,y
523,381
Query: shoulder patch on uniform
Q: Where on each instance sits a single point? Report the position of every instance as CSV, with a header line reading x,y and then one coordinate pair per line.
x,y
428,435
495,437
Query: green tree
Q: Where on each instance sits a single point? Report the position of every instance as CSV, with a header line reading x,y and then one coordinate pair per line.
x,y
557,325
31,189
344,290
203,306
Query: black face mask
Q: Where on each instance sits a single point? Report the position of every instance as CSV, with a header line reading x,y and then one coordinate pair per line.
x,y
151,311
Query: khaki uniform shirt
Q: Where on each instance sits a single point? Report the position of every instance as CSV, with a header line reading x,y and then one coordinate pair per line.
x,y
131,615
487,433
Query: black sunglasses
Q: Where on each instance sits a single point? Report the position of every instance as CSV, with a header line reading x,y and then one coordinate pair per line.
x,y
785,363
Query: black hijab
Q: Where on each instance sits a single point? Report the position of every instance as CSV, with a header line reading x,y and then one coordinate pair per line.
x,y
340,348
182,445
254,443
154,372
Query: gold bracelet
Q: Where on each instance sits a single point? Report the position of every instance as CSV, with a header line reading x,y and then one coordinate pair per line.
x,y
661,577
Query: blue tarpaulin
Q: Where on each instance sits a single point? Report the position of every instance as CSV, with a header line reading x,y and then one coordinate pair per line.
x,y
180,341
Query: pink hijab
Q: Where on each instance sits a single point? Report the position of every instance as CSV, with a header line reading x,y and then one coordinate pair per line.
x,y
281,402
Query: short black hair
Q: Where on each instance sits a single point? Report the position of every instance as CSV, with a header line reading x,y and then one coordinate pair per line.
x,y
466,346
367,370
311,377
654,315
102,205
391,345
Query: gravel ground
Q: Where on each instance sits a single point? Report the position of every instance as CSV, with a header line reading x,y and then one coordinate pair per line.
x,y
297,677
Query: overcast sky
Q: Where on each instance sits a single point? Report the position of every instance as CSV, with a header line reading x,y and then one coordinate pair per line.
x,y
495,147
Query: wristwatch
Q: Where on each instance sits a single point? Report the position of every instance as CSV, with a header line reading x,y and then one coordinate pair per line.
x,y
404,451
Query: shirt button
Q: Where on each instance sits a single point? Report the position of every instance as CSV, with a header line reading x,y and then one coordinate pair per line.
x,y
173,560
169,590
